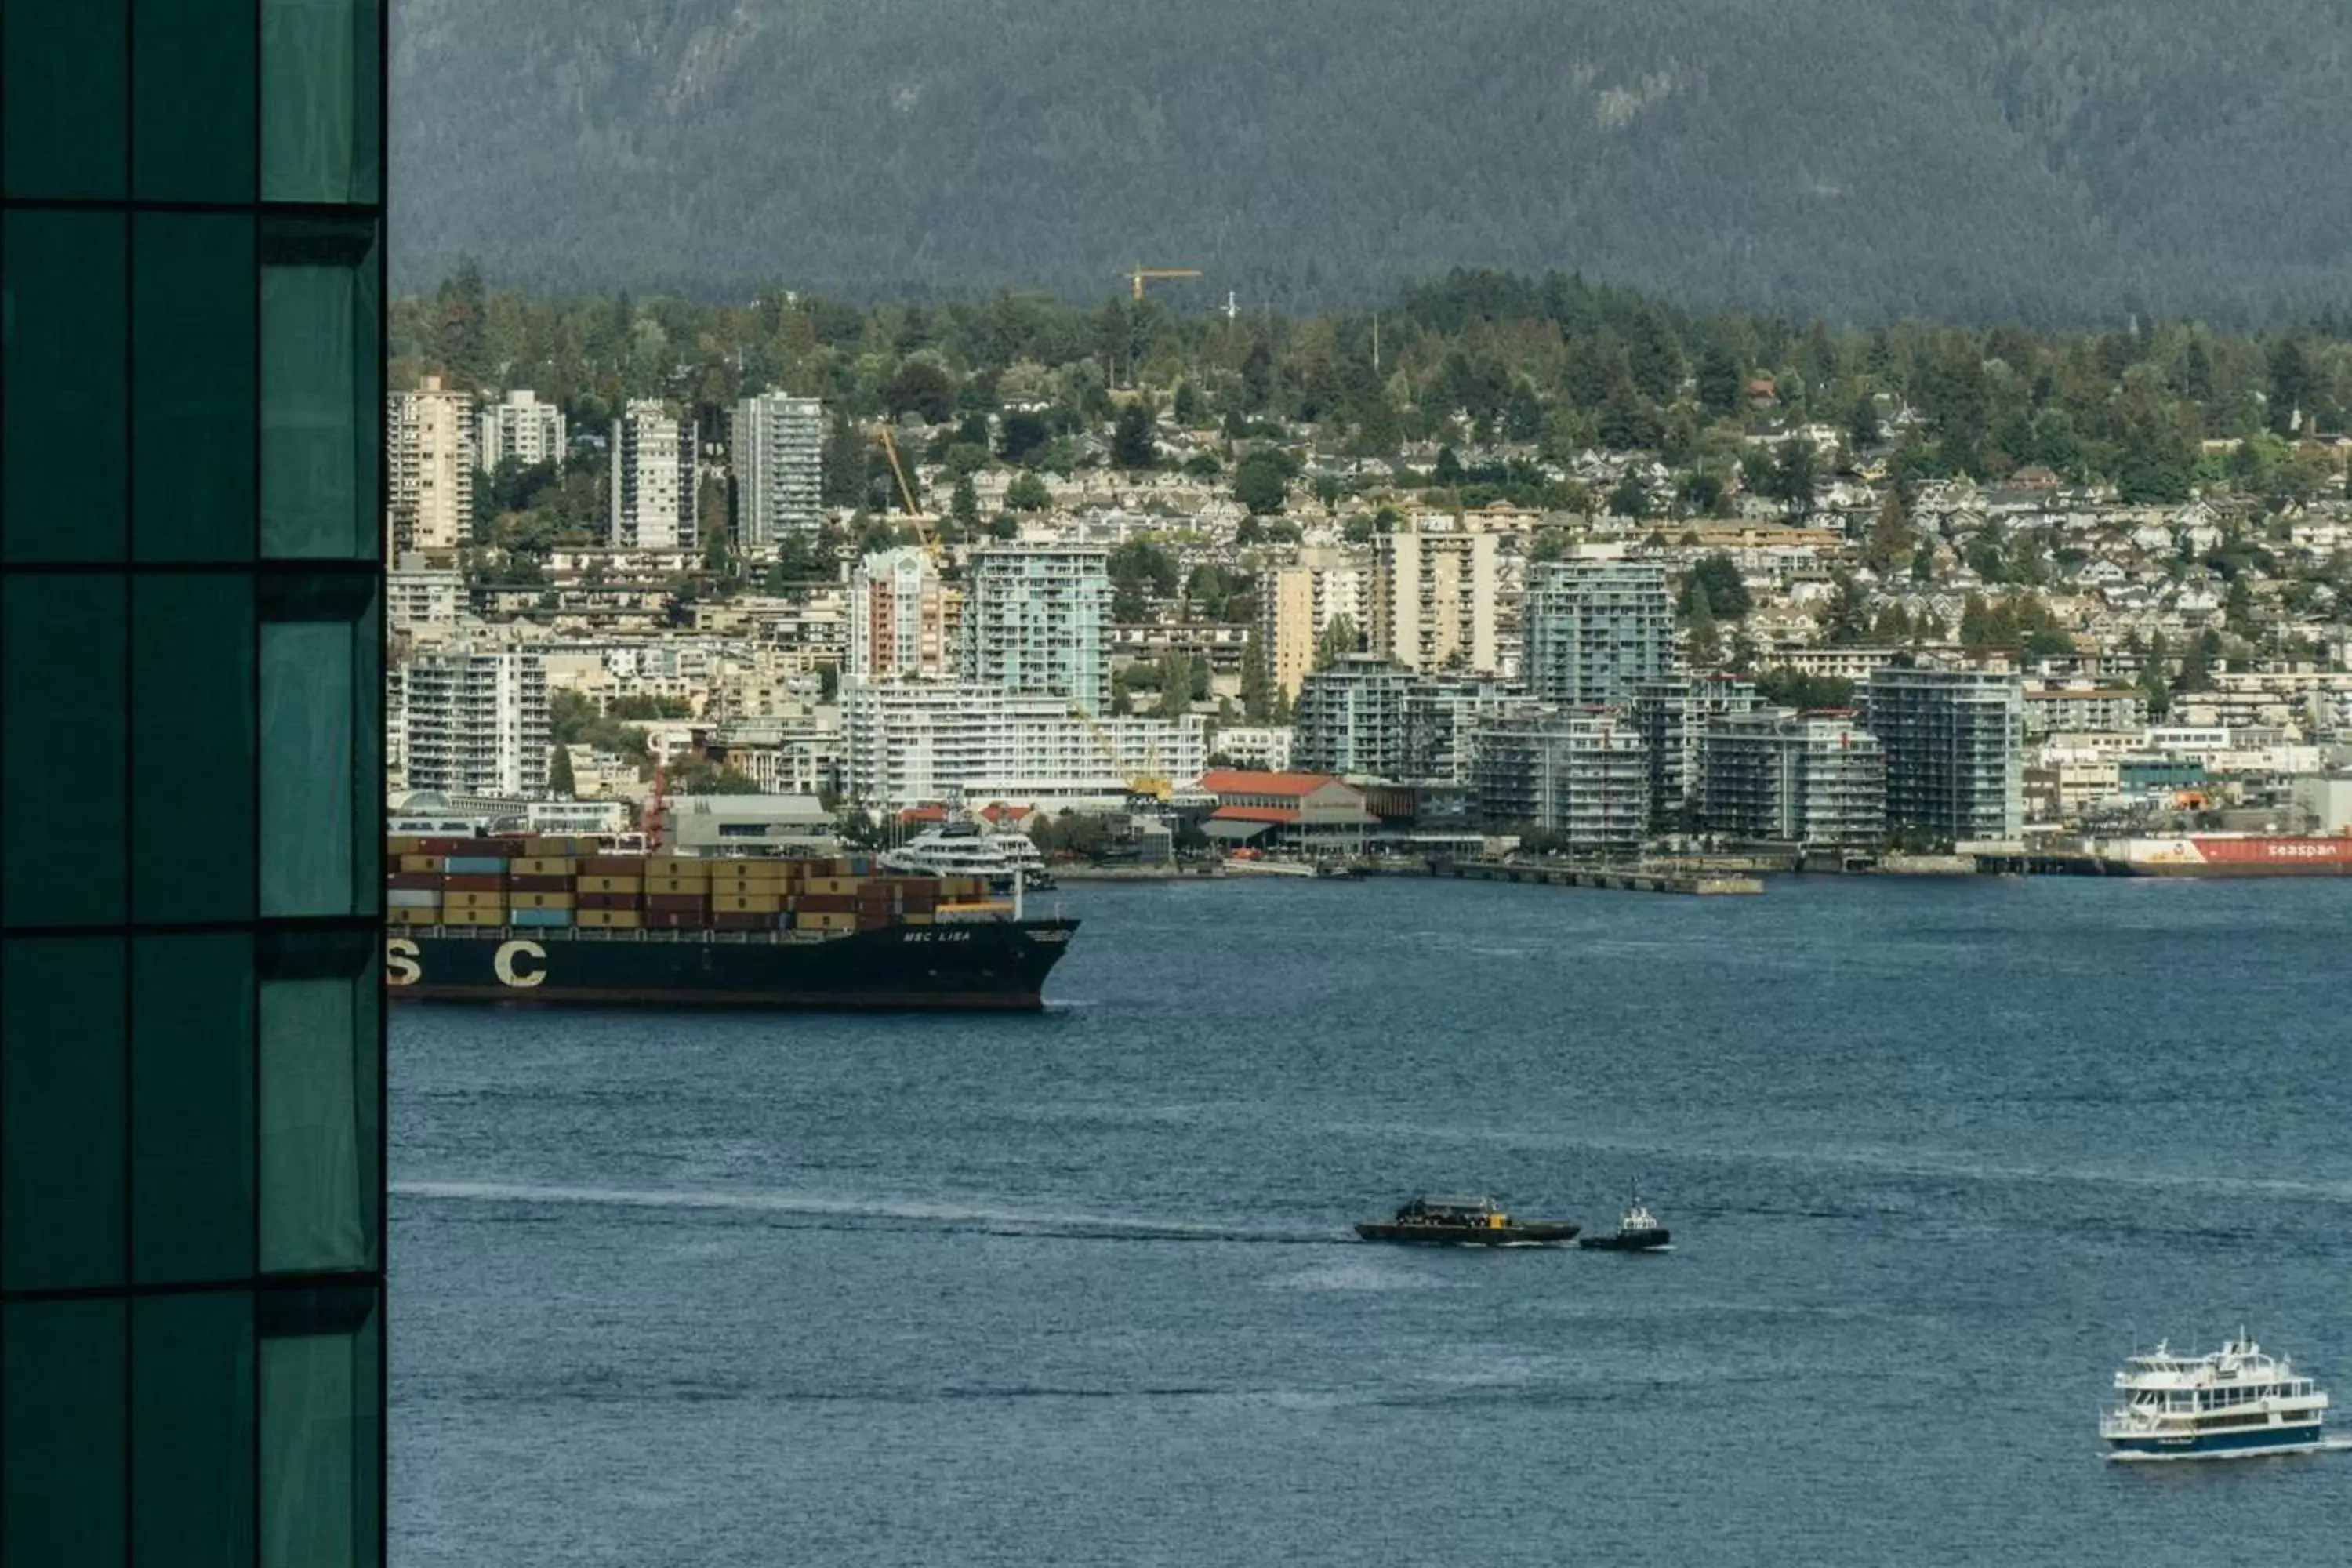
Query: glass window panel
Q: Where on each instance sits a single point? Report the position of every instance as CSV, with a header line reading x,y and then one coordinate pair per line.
x,y
321,1497
321,402
320,1181
192,1499
309,758
63,375
61,1112
61,1443
318,103
192,377
61,100
62,792
192,735
194,136
192,1065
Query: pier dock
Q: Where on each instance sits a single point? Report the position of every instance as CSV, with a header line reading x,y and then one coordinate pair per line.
x,y
1632,879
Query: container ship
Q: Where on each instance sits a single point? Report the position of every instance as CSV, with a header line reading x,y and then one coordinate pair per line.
x,y
563,920
2222,855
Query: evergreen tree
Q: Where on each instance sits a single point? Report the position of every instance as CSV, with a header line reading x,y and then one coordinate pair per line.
x,y
1705,642
560,782
1131,443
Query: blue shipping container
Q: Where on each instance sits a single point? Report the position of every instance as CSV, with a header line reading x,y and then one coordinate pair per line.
x,y
475,866
538,917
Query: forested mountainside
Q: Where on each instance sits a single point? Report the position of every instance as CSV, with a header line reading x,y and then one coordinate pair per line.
x,y
2055,160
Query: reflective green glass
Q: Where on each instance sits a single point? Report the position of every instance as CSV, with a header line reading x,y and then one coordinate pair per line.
x,y
310,756
322,1464
193,132
61,99
61,791
321,398
192,1065
63,274
192,735
192,388
61,1112
318,1176
319,102
192,1499
61,1446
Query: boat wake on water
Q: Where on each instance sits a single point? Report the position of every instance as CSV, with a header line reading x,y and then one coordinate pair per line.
x,y
817,1212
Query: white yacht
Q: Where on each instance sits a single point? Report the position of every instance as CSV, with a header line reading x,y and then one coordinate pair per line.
x,y
967,849
2236,1401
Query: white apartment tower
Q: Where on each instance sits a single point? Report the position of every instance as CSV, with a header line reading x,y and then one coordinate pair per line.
x,y
1434,586
475,723
897,618
1035,619
1596,630
429,459
653,479
521,428
779,459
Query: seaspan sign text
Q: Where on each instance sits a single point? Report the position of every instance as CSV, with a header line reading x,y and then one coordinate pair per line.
x,y
518,965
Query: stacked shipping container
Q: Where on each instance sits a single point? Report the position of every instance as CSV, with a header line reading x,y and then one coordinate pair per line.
x,y
569,883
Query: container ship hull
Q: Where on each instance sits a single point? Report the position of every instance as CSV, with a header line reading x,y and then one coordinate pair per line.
x,y
998,965
2209,856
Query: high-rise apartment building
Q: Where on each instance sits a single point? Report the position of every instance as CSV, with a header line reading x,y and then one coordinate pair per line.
x,y
1595,629
1672,712
429,449
1581,776
777,451
474,722
191,786
519,429
1351,719
1035,619
1792,778
916,745
652,479
897,618
1304,600
1435,585
1955,745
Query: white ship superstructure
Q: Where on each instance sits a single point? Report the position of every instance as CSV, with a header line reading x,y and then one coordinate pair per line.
x,y
2235,1401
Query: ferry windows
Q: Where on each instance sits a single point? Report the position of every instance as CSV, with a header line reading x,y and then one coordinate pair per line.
x,y
64,326
320,113
192,660
192,387
192,1360
61,1113
61,798
192,1065
321,404
61,1450
320,1158
322,1461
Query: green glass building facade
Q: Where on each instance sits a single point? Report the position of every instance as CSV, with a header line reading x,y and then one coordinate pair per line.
x,y
191,1040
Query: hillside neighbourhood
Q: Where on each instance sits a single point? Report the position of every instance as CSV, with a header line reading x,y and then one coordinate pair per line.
x,y
1128,604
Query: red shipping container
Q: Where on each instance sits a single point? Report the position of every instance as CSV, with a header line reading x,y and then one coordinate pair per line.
x,y
450,846
607,901
736,920
678,919
413,881
875,922
613,865
475,883
825,904
521,884
678,903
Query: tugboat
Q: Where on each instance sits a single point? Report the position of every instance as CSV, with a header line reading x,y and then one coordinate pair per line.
x,y
1453,1219
1638,1230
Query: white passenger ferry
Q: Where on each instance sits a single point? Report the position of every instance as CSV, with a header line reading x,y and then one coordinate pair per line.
x,y
968,848
2236,1401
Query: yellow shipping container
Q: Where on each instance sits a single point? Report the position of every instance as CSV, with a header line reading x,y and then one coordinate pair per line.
x,y
693,887
833,887
611,920
541,865
472,901
474,917
920,919
539,900
805,920
420,862
414,917
676,866
611,885
401,844
746,903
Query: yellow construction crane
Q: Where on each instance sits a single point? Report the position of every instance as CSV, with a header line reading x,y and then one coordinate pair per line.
x,y
1138,275
1152,782
907,492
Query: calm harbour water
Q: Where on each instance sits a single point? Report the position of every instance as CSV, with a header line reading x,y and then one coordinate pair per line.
x,y
1078,1288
